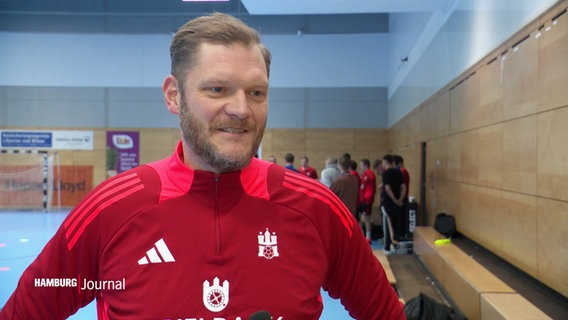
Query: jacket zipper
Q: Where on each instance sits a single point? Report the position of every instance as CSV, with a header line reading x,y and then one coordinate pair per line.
x,y
217,217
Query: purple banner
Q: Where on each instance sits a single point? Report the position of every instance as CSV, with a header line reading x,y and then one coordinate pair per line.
x,y
123,151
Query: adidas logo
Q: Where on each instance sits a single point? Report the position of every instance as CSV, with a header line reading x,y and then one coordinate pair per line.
x,y
158,254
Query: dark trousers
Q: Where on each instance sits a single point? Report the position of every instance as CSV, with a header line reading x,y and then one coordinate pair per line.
x,y
392,214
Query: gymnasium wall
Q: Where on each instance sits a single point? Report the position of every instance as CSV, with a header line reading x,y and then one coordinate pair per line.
x,y
32,106
496,150
442,44
317,144
317,122
142,60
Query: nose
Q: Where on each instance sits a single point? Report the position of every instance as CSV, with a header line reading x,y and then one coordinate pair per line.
x,y
238,105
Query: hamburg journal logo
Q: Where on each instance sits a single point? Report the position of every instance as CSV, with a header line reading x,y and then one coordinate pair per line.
x,y
215,297
267,245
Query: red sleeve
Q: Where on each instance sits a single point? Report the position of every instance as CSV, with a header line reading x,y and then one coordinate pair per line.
x,y
351,272
38,296
50,288
356,277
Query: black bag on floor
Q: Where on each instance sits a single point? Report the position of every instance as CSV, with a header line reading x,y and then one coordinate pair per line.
x,y
445,224
425,308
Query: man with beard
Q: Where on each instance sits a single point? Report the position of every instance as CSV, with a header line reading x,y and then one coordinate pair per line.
x,y
210,232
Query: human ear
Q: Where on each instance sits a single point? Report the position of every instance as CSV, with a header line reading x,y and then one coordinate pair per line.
x,y
171,91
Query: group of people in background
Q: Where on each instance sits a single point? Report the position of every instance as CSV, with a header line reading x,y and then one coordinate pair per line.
x,y
357,190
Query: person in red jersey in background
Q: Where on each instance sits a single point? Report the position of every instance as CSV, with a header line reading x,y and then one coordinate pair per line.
x,y
209,232
353,170
306,170
367,191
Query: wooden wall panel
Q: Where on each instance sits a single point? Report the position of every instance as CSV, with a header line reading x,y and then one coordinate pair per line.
x,y
437,155
289,140
552,221
469,158
464,102
488,207
520,80
500,165
520,231
446,197
431,208
399,136
266,145
156,144
435,158
435,118
407,131
414,128
553,154
490,156
553,65
321,139
436,174
319,144
394,135
519,155
453,160
490,109
467,219
370,139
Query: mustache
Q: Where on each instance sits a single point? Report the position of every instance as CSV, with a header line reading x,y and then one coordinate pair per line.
x,y
234,123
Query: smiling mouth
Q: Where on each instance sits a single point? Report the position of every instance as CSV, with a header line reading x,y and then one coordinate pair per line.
x,y
233,130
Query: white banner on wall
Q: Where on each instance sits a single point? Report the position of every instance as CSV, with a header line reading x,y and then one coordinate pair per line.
x,y
45,140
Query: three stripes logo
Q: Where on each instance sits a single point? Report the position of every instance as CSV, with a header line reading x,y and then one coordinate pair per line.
x,y
158,254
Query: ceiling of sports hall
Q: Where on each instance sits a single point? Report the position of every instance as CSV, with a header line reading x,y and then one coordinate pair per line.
x,y
165,16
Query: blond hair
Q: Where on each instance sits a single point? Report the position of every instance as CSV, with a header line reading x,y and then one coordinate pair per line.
x,y
217,28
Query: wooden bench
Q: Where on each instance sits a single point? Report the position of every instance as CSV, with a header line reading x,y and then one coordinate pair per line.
x,y
386,266
380,255
501,306
465,280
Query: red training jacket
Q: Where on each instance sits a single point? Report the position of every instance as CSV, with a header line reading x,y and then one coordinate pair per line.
x,y
368,187
308,172
163,241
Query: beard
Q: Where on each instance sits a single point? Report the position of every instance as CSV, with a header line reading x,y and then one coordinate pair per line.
x,y
197,136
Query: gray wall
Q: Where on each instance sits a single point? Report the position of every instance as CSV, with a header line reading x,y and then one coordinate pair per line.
x,y
145,108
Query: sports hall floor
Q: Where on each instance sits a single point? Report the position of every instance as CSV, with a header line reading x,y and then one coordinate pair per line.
x,y
22,236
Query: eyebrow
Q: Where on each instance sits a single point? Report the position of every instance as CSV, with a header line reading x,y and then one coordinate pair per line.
x,y
217,81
